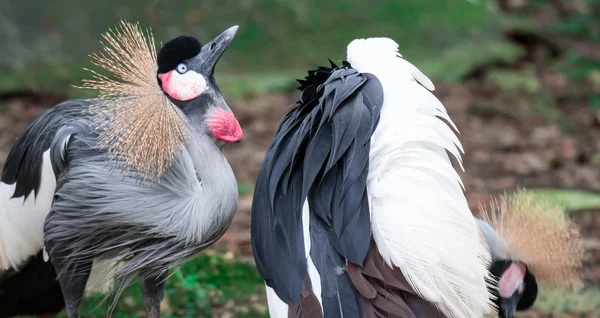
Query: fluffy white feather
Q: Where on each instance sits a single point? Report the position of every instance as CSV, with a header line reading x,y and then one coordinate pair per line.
x,y
277,307
313,274
420,218
22,221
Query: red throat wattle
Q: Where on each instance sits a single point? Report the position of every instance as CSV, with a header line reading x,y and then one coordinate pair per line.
x,y
224,126
511,279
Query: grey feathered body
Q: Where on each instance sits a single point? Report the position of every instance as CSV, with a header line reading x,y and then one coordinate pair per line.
x,y
101,212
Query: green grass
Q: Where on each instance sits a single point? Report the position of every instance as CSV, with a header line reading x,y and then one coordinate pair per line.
x,y
207,286
584,300
570,200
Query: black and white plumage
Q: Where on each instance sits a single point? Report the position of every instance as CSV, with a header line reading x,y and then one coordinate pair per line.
x,y
70,207
357,210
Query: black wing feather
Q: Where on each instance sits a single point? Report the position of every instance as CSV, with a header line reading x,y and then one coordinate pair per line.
x,y
338,295
320,152
24,162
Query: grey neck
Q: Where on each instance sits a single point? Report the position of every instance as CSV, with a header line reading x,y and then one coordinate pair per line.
x,y
208,200
493,240
209,160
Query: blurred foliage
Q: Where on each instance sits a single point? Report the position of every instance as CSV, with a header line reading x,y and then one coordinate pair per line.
x,y
573,26
513,82
45,44
246,187
584,300
570,200
584,24
257,83
455,63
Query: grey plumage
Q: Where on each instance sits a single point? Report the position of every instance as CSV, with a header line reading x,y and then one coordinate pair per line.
x,y
495,244
159,224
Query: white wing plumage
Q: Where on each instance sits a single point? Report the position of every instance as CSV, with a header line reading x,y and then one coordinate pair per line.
x,y
22,221
420,218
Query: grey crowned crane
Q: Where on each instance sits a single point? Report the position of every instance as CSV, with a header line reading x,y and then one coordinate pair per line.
x,y
358,211
132,183
531,241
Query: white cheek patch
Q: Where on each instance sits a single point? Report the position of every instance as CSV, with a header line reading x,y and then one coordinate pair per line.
x,y
183,87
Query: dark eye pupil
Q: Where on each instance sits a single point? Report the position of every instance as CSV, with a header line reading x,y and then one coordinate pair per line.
x,y
181,68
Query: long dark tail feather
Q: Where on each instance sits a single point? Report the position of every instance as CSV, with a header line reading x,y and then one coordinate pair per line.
x,y
338,295
33,290
385,292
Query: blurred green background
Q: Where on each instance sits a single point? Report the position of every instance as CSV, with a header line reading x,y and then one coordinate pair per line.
x,y
46,42
527,70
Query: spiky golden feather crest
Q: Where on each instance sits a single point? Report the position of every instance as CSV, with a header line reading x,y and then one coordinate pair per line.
x,y
140,125
539,234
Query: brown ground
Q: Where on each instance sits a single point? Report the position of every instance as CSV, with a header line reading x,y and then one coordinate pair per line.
x,y
501,152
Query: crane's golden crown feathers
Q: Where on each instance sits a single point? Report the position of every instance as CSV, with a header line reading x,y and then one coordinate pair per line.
x,y
539,234
140,125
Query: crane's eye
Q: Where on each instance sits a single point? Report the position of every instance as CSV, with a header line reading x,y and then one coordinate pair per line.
x,y
182,68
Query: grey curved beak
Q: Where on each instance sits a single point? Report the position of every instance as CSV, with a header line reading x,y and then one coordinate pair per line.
x,y
213,50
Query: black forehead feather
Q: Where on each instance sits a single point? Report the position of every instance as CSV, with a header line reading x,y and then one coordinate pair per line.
x,y
177,50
